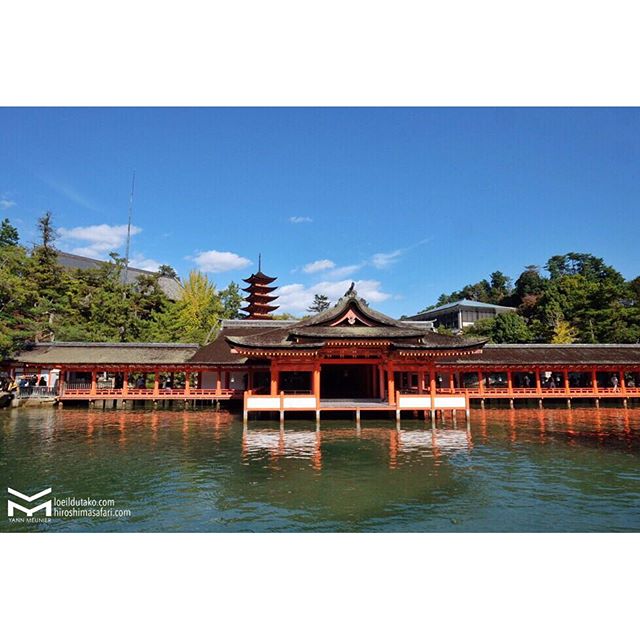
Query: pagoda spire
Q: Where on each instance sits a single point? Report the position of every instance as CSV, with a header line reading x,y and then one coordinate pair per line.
x,y
258,301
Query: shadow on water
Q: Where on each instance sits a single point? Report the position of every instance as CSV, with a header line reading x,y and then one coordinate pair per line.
x,y
522,470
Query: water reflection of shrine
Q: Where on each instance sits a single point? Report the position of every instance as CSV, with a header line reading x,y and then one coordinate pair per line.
x,y
308,445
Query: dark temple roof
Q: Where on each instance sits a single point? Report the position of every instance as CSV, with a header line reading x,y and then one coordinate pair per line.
x,y
350,319
529,355
66,353
171,287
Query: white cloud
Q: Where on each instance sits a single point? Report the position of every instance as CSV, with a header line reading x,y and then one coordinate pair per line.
x,y
383,260
330,269
95,241
138,261
318,265
219,261
297,297
343,272
299,219
5,203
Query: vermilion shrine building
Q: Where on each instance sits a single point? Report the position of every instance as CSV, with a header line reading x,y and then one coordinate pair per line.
x,y
347,358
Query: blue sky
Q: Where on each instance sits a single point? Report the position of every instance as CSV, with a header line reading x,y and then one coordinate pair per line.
x,y
409,203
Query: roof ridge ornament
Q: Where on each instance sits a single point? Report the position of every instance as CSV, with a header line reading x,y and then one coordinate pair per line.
x,y
351,291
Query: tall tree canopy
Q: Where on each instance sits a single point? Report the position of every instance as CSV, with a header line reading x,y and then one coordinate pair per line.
x,y
582,299
40,300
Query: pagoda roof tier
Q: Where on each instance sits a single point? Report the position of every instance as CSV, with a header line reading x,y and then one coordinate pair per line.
x,y
260,288
352,321
259,308
260,298
259,278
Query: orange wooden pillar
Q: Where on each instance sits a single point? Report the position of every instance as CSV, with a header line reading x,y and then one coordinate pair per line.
x,y
481,382
623,383
274,379
391,385
452,382
218,381
94,382
509,382
156,383
565,375
187,382
594,380
381,382
315,382
125,383
536,372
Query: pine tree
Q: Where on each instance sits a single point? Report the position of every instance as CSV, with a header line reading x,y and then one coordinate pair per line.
x,y
320,303
8,234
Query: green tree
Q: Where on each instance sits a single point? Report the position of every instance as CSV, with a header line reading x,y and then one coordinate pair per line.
x,y
563,333
8,234
199,310
167,271
509,328
320,303
231,300
51,282
18,297
499,288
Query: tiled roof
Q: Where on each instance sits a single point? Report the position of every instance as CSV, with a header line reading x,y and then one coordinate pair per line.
x,y
462,304
170,286
529,355
61,353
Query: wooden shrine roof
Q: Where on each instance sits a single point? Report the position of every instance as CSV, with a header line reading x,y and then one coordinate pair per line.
x,y
350,319
87,353
529,355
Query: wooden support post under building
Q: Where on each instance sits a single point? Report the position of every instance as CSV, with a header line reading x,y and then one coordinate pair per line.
x,y
282,408
315,384
594,382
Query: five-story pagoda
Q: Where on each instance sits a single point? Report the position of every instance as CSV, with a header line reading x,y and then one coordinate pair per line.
x,y
259,298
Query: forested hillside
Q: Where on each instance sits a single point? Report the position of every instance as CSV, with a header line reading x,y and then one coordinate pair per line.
x,y
577,298
42,301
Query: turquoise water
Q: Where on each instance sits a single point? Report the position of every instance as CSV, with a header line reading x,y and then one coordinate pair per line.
x,y
523,470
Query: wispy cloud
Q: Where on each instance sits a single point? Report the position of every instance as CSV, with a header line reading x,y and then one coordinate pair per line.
x,y
300,219
70,193
330,270
5,204
297,297
343,272
384,260
95,241
219,261
318,265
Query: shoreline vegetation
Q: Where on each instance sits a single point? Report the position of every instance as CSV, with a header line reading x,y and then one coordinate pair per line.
x,y
581,300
